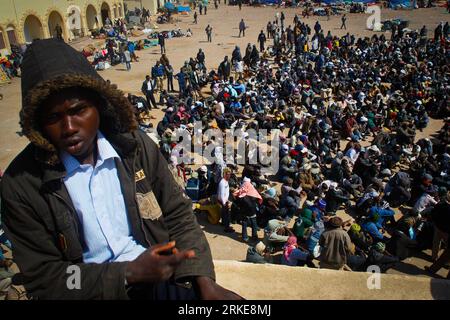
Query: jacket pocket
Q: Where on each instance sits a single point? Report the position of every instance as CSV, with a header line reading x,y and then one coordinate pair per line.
x,y
67,238
148,206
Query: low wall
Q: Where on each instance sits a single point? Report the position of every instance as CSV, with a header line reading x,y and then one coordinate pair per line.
x,y
269,281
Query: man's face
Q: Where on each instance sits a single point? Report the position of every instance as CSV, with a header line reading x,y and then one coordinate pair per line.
x,y
70,121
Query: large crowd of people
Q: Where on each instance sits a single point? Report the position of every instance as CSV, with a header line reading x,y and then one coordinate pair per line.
x,y
348,111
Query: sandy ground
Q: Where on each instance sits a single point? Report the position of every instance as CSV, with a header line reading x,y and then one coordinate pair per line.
x,y
225,22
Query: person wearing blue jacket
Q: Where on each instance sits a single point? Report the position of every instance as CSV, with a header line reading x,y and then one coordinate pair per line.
x,y
158,73
372,226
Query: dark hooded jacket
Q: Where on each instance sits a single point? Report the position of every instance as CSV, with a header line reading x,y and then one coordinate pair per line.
x,y
37,211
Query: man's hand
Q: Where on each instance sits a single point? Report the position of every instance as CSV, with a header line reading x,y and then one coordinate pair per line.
x,y
210,290
156,264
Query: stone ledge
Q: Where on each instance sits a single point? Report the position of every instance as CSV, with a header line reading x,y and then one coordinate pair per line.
x,y
269,281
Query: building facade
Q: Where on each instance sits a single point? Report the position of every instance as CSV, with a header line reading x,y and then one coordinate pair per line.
x,y
22,21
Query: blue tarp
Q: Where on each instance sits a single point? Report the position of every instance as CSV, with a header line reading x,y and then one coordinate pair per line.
x,y
169,6
184,9
401,4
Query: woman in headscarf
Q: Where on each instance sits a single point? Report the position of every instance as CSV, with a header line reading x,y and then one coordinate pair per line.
x,y
236,55
248,52
183,114
292,255
254,57
248,200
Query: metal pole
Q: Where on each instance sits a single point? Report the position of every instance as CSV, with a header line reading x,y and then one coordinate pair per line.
x,y
16,30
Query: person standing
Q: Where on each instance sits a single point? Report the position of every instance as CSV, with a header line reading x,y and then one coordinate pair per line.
x,y
269,29
215,4
223,195
240,4
148,90
127,56
181,77
206,8
195,17
344,19
262,40
224,69
132,49
317,27
162,42
59,32
201,59
282,18
242,28
208,31
158,74
169,74
437,32
441,220
200,7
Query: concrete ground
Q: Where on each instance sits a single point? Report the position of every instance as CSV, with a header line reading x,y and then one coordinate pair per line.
x,y
225,22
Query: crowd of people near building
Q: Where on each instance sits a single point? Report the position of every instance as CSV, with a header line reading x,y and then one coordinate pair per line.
x,y
10,64
318,90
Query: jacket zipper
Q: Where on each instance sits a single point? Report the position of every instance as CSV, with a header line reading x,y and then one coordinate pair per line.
x,y
137,205
73,214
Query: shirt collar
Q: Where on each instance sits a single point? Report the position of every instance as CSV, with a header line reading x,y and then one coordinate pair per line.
x,y
105,152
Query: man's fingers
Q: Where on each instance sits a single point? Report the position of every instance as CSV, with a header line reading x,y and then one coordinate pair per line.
x,y
163,247
175,259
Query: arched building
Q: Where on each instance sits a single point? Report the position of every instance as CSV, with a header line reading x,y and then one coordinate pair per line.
x,y
22,21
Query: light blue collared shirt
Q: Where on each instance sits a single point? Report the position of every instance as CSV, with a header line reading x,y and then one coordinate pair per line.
x,y
97,196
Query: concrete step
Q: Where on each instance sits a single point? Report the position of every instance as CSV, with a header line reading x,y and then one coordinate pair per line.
x,y
270,281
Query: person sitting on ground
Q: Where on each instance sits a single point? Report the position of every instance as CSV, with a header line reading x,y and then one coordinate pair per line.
x,y
379,257
293,255
397,191
361,241
258,254
303,223
337,250
335,197
427,201
372,226
277,232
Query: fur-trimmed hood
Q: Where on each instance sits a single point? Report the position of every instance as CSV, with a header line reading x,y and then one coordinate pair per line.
x,y
51,65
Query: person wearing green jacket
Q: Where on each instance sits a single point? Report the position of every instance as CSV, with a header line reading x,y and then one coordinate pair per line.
x,y
303,222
